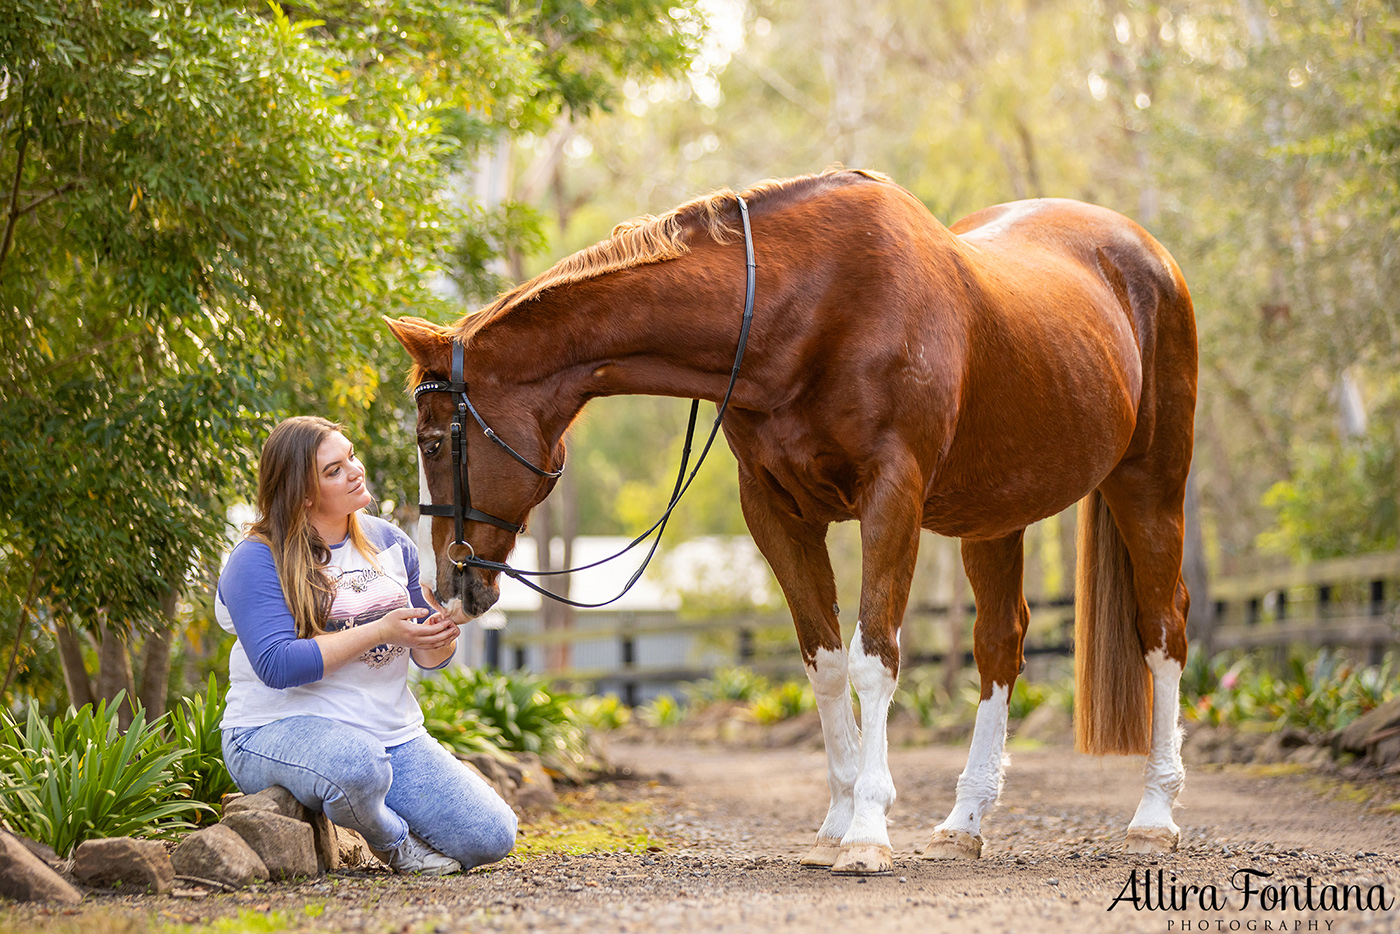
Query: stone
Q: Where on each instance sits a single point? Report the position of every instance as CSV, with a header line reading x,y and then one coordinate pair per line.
x,y
286,846
41,850
219,854
278,800
114,862
323,840
24,876
354,852
494,773
536,787
274,798
1357,735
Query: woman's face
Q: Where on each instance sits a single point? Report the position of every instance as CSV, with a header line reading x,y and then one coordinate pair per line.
x,y
341,476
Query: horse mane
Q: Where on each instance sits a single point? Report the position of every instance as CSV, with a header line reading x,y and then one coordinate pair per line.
x,y
655,239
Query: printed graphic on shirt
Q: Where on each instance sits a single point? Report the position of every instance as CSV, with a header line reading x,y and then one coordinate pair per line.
x,y
363,595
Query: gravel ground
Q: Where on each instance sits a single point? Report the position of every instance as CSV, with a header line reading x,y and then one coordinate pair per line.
x,y
737,821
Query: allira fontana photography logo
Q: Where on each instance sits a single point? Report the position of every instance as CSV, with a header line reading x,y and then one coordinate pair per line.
x,y
1199,906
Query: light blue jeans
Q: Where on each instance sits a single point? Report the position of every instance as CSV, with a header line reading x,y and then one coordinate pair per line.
x,y
382,793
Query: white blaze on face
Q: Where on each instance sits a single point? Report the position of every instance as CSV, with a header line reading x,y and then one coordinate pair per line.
x,y
427,560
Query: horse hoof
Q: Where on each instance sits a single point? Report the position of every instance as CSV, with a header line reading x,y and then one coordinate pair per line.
x,y
952,844
864,859
823,853
1151,840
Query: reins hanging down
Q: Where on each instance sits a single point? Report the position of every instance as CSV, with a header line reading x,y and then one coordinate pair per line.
x,y
460,551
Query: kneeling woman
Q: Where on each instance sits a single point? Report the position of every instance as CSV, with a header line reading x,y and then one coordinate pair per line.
x,y
328,610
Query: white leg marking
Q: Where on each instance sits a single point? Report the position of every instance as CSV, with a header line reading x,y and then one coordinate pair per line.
x,y
829,683
874,791
979,786
1165,773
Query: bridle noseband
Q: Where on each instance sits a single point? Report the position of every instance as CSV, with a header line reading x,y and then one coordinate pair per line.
x,y
461,553
461,509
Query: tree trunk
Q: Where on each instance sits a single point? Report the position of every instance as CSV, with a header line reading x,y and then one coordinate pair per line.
x,y
75,676
114,672
155,665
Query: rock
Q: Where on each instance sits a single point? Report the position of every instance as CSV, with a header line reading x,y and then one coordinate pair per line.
x,y
353,851
219,854
275,798
1358,734
323,839
1310,756
536,787
1047,723
231,796
41,850
286,846
495,774
24,876
113,862
1385,751
278,800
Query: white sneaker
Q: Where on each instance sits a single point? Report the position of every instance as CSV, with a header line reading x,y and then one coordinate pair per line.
x,y
414,855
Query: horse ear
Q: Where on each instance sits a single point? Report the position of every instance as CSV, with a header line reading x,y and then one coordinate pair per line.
x,y
428,344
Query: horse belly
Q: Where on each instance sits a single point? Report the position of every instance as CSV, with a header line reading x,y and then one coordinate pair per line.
x,y
1033,441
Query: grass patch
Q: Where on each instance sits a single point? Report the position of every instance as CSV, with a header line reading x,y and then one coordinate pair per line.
x,y
1277,769
585,824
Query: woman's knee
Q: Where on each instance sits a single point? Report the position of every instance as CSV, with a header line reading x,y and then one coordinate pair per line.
x,y
496,837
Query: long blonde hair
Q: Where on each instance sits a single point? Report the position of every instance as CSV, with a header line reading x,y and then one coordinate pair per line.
x,y
287,483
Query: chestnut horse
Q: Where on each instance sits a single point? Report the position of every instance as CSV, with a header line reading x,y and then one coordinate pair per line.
x,y
969,381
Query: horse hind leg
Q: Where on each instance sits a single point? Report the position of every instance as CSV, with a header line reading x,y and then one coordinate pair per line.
x,y
1151,524
994,568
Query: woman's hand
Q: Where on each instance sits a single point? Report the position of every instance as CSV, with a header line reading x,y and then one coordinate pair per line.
x,y
406,626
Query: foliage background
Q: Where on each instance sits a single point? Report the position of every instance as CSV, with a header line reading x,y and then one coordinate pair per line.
x,y
207,207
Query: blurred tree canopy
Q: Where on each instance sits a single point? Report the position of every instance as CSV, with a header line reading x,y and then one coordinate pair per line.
x,y
207,208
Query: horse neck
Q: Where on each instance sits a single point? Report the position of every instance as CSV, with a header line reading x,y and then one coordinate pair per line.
x,y
663,329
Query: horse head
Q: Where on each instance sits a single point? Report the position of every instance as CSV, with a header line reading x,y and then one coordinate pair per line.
x,y
500,481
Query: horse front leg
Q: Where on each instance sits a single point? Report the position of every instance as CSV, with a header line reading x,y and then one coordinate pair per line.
x,y
994,568
797,553
889,546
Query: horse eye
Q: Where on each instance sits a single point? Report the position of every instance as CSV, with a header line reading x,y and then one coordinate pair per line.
x,y
432,447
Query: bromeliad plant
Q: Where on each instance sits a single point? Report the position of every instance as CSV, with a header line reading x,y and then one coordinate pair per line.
x,y
513,712
194,726
82,779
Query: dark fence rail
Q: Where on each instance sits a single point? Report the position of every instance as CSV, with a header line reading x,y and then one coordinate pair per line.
x,y
1342,603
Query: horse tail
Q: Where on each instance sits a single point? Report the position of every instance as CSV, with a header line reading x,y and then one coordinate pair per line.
x,y
1112,686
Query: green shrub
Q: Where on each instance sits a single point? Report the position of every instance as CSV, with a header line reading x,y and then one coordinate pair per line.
x,y
193,725
662,712
514,712
1316,694
82,779
727,684
783,702
604,713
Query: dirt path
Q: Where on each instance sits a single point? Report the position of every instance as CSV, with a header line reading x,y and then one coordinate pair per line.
x,y
740,819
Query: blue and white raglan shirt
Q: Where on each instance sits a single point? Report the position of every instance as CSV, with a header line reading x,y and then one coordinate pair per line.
x,y
274,675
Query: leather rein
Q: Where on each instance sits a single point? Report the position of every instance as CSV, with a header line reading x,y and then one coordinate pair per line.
x,y
461,553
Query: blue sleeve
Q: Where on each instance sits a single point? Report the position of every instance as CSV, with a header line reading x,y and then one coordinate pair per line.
x,y
251,592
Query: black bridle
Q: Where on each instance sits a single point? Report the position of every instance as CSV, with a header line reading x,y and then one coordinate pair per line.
x,y
463,555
